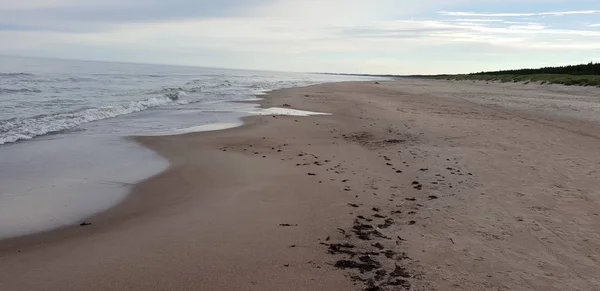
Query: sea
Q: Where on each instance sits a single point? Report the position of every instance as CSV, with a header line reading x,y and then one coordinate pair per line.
x,y
63,152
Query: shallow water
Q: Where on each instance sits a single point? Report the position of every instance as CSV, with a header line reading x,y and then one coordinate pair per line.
x,y
63,155
57,181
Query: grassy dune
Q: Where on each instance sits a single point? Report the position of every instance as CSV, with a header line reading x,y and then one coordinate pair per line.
x,y
565,79
579,75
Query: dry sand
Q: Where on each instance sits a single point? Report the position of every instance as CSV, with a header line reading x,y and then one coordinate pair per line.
x,y
421,185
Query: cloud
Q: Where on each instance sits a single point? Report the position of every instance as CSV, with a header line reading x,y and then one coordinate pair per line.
x,y
477,20
394,36
29,4
476,14
12,27
342,35
93,15
529,26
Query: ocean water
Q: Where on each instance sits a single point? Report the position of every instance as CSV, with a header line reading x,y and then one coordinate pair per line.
x,y
42,96
63,155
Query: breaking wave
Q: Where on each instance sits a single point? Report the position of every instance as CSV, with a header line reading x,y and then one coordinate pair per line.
x,y
16,129
173,93
14,91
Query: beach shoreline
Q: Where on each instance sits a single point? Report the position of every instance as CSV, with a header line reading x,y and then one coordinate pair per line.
x,y
408,184
112,214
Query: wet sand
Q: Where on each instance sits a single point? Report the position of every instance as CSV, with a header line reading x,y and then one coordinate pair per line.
x,y
409,185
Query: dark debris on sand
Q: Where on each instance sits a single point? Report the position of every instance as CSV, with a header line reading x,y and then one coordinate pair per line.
x,y
367,257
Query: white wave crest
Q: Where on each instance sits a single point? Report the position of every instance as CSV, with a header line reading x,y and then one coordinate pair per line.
x,y
13,130
175,95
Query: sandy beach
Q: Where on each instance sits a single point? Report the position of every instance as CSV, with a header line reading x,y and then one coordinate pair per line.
x,y
408,185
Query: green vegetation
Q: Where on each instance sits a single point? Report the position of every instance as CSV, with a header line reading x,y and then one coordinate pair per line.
x,y
578,70
565,79
580,75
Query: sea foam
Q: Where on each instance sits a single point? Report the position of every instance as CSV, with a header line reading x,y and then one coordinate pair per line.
x,y
16,129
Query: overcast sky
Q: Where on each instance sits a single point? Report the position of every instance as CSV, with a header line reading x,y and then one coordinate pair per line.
x,y
361,36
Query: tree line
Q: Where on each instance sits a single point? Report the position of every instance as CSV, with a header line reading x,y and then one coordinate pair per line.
x,y
583,69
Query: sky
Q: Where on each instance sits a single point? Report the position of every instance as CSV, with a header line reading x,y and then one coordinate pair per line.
x,y
350,36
